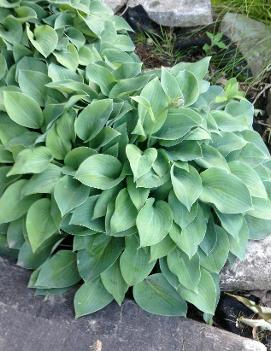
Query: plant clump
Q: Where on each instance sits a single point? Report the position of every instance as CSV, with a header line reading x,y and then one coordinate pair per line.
x,y
115,178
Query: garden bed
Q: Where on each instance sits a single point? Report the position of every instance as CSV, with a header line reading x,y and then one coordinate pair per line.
x,y
117,327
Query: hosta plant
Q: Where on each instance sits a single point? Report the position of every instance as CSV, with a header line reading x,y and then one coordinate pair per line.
x,y
112,178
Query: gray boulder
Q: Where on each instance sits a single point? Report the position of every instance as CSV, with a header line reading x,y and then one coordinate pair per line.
x,y
29,322
177,13
252,37
253,273
171,13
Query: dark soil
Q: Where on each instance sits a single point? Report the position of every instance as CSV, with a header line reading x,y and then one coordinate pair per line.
x,y
149,58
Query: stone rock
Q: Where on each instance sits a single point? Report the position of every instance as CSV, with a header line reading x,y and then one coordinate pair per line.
x,y
252,37
115,5
177,13
253,273
29,322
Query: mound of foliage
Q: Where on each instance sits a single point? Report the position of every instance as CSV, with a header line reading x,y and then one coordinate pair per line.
x,y
114,178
